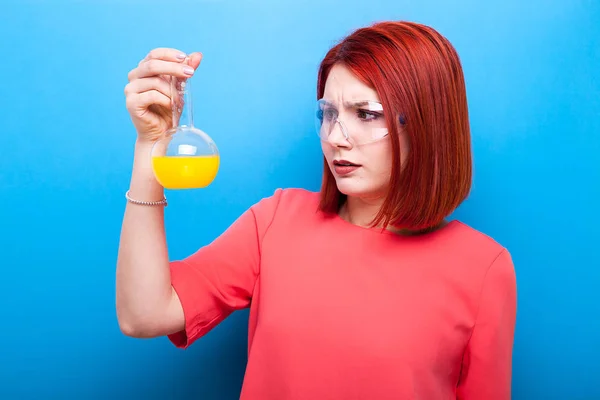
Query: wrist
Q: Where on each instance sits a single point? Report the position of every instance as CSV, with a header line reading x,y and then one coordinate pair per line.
x,y
143,183
143,144
160,202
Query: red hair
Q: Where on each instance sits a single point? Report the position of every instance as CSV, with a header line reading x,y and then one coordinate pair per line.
x,y
418,74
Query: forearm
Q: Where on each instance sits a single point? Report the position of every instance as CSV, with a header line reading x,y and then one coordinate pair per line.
x,y
143,284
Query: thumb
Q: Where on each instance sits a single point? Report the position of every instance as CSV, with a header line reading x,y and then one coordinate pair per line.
x,y
195,59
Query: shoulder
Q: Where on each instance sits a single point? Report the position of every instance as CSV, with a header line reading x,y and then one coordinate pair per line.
x,y
483,254
289,200
286,202
476,239
297,200
495,286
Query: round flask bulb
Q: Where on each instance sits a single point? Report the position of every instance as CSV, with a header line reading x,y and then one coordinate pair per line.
x,y
185,157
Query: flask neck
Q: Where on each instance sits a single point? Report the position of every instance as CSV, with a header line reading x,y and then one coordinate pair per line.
x,y
181,95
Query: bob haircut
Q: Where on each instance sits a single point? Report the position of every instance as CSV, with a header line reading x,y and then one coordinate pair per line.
x,y
418,77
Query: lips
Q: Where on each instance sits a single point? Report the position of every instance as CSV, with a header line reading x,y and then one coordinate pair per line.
x,y
344,163
344,167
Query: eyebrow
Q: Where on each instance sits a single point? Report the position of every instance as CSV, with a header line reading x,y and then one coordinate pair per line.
x,y
377,106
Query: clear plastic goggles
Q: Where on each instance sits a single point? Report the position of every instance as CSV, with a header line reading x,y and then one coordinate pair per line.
x,y
359,122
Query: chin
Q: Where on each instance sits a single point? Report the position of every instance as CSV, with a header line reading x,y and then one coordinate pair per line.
x,y
352,188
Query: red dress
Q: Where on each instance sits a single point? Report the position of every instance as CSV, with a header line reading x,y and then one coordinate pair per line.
x,y
343,312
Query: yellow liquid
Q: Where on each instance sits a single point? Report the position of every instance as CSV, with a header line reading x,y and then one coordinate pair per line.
x,y
184,172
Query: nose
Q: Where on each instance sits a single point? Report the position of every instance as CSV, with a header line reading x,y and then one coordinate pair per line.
x,y
339,135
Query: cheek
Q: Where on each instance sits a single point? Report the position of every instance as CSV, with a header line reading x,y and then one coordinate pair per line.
x,y
386,165
377,161
382,160
326,151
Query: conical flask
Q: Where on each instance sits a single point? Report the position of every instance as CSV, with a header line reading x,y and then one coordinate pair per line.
x,y
185,157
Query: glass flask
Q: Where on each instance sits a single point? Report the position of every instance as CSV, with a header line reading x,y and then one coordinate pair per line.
x,y
185,157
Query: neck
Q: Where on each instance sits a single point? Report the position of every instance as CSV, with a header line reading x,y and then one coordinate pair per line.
x,y
359,211
362,212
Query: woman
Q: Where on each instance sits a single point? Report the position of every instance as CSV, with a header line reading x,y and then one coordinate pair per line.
x,y
363,290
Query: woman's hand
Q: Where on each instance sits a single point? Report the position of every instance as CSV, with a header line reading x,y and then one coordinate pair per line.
x,y
148,93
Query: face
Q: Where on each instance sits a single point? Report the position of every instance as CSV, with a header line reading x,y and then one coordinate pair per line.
x,y
358,154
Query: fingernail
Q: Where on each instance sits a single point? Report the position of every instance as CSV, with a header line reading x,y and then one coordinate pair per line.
x,y
181,56
188,71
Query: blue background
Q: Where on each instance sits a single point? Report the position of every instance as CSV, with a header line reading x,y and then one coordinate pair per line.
x,y
66,145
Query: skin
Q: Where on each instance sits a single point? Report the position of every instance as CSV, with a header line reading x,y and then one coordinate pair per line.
x,y
367,186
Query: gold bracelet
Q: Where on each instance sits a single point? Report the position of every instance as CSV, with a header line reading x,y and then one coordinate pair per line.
x,y
162,202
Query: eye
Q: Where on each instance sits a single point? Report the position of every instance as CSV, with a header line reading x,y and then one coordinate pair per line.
x,y
366,115
329,114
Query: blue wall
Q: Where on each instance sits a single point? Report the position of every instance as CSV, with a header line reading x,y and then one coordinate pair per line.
x,y
66,142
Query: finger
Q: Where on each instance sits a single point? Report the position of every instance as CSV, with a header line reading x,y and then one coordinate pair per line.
x,y
194,60
143,85
142,101
155,67
166,54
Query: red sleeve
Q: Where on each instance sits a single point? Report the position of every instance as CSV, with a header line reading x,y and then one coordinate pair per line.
x,y
219,278
487,364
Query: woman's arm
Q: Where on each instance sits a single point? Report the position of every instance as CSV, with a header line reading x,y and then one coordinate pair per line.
x,y
147,305
487,364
